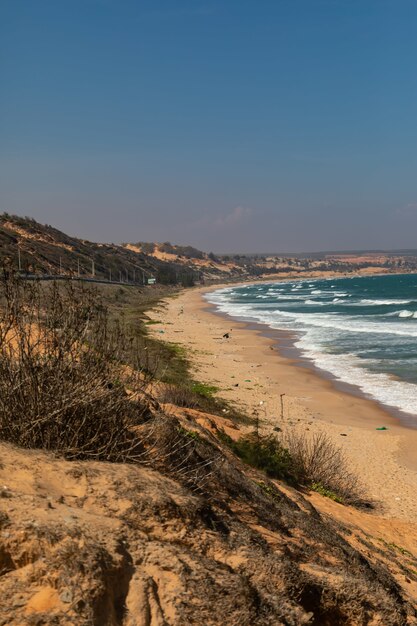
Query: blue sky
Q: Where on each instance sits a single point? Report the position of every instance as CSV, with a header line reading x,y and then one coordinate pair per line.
x,y
231,125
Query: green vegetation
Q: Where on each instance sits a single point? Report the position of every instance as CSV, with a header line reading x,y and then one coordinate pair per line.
x,y
269,490
177,349
319,488
191,434
316,464
264,453
395,547
130,308
207,391
165,361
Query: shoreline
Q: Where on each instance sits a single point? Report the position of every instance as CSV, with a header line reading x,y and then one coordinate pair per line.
x,y
295,355
252,366
284,342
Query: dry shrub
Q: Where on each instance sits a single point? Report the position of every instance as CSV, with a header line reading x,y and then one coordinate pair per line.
x,y
320,464
63,381
180,396
59,373
179,452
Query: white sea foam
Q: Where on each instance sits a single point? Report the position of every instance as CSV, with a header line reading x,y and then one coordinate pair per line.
x,y
351,369
407,314
288,296
302,321
381,302
350,325
317,329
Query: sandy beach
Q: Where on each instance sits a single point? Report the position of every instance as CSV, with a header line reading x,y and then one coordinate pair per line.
x,y
250,369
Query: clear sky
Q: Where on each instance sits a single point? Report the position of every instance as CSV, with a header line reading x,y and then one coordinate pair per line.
x,y
231,125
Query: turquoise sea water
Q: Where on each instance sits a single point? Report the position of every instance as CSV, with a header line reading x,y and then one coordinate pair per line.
x,y
361,330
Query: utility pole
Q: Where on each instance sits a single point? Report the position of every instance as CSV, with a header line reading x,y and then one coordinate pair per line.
x,y
120,273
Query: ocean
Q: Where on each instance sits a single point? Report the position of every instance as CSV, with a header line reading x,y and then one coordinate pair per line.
x,y
360,330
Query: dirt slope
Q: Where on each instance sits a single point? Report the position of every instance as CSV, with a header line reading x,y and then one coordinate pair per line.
x,y
105,544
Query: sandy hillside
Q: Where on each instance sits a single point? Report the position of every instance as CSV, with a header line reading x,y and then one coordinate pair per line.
x,y
98,543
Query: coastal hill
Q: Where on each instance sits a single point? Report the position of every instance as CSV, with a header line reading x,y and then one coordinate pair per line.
x,y
44,250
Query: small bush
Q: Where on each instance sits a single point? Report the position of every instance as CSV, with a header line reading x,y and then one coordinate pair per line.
x,y
315,462
180,396
265,453
321,465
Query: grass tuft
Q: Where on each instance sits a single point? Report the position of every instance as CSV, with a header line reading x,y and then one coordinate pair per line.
x,y
264,453
327,493
202,389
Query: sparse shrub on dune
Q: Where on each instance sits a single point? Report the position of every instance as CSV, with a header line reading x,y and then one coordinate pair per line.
x,y
192,395
265,453
314,462
320,464
180,395
60,383
66,386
